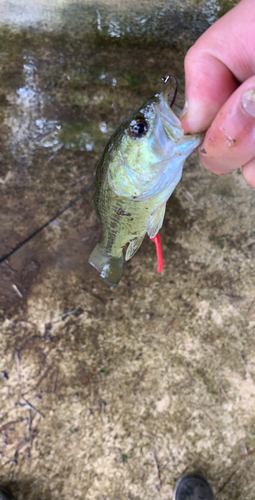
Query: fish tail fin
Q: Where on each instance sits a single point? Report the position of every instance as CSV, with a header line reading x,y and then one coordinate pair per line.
x,y
109,267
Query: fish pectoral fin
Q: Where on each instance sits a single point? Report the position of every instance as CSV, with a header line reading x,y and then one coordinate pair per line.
x,y
133,247
109,267
155,221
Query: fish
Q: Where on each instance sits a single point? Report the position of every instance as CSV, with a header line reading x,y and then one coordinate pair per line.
x,y
141,165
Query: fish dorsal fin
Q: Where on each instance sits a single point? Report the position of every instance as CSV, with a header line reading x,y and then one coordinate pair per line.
x,y
155,221
133,247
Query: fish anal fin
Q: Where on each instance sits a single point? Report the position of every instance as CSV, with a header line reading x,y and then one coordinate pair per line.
x,y
155,221
133,247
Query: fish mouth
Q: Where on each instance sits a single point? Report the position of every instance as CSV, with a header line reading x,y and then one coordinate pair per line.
x,y
169,117
169,114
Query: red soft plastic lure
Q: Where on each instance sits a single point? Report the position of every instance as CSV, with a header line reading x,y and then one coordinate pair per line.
x,y
157,242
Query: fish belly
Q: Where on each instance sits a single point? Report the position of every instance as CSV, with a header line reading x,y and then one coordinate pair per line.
x,y
123,222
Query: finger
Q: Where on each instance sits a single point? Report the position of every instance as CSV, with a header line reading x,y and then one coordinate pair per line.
x,y
212,84
230,141
220,59
248,172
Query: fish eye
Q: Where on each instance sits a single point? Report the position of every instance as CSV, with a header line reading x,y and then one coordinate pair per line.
x,y
138,128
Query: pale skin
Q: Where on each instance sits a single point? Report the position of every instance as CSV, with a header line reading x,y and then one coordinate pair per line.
x,y
220,92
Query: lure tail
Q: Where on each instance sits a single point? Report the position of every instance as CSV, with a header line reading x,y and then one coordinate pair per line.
x,y
109,267
157,242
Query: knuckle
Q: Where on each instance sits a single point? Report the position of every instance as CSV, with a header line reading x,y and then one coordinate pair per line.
x,y
190,56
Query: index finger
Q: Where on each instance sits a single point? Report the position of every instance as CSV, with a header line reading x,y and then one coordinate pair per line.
x,y
221,58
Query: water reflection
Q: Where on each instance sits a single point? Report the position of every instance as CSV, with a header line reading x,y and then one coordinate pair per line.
x,y
30,129
24,117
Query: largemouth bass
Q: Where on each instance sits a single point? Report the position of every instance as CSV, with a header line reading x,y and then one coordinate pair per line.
x,y
141,165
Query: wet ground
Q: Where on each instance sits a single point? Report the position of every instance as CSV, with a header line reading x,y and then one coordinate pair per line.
x,y
112,394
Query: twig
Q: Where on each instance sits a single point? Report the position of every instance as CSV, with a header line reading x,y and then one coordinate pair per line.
x,y
217,338
6,463
171,323
52,156
240,235
103,412
31,407
228,480
90,375
223,390
251,305
42,377
212,423
16,356
77,180
31,418
188,420
16,447
247,455
140,378
244,457
244,362
18,292
12,422
55,378
182,434
33,434
156,466
37,231
8,265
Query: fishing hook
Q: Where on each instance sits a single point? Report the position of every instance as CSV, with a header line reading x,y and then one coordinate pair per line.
x,y
165,79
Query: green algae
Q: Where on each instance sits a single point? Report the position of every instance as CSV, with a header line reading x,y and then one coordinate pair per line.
x,y
84,136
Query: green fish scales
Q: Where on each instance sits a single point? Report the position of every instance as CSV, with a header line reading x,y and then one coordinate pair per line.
x,y
141,165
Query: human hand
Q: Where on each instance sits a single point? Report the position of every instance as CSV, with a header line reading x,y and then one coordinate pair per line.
x,y
220,92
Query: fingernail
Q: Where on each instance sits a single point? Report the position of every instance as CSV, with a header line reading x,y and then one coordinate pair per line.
x,y
248,102
184,111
